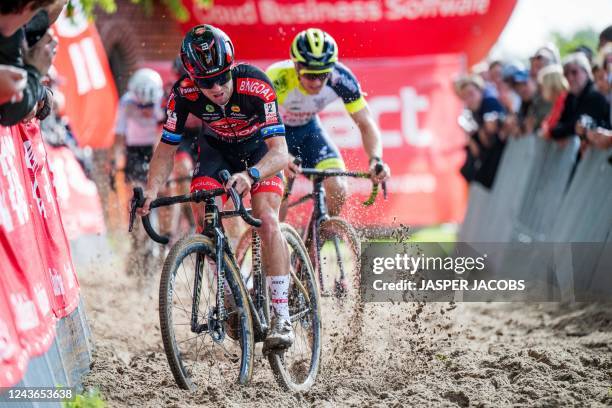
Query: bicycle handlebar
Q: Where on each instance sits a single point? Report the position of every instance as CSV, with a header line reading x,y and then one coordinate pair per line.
x,y
340,173
248,218
138,201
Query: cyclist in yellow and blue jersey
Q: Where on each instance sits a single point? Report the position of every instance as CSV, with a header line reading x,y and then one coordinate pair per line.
x,y
308,82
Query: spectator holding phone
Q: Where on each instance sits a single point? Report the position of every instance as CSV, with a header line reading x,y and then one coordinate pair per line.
x,y
484,146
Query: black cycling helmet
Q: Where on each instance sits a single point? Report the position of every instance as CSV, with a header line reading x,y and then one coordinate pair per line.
x,y
315,50
207,54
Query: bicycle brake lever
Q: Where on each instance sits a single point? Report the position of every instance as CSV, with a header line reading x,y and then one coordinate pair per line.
x,y
136,202
378,168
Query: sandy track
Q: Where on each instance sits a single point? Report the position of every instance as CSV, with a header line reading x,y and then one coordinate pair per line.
x,y
406,355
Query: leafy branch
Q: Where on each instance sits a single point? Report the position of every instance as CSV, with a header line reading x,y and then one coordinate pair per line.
x,y
176,8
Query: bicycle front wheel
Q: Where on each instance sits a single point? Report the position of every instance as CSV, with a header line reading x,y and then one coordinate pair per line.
x,y
204,343
297,367
340,251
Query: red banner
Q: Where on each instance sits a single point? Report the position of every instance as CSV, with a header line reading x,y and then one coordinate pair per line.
x,y
23,281
38,284
77,195
262,29
91,96
414,105
50,232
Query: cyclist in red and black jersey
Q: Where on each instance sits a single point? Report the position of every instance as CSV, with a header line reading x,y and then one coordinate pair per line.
x,y
241,132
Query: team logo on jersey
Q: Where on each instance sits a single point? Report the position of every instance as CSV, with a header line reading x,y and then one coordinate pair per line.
x,y
186,82
210,108
235,108
256,87
230,128
171,102
188,90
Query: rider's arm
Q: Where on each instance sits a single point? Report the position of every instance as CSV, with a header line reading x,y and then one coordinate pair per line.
x,y
160,168
346,86
162,162
370,134
275,159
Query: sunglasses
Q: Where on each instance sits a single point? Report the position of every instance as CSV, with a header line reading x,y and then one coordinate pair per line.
x,y
208,83
314,77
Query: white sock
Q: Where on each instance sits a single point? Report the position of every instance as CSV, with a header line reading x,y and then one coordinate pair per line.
x,y
279,290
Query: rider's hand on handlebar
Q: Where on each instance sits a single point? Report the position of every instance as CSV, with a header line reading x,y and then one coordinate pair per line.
x,y
240,181
379,177
294,169
145,209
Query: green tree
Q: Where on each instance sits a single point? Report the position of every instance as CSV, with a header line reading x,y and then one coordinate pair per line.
x,y
567,44
175,7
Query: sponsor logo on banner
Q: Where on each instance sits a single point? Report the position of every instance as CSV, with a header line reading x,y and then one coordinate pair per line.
x,y
69,275
256,87
15,193
57,283
42,299
7,347
26,317
271,12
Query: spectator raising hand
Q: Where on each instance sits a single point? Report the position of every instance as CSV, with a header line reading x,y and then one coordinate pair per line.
x,y
12,83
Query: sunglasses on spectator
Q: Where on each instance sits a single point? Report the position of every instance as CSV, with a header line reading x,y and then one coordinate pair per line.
x,y
208,83
571,72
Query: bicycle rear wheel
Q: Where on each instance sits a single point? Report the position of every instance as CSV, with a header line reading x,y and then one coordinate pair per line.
x,y
201,345
296,368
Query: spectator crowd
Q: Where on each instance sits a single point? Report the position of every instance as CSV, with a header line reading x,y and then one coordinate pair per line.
x,y
28,79
552,98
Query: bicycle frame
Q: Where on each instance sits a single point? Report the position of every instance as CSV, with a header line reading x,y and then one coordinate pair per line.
x,y
213,228
320,213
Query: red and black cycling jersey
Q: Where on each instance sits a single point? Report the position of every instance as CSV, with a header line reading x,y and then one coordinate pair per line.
x,y
239,127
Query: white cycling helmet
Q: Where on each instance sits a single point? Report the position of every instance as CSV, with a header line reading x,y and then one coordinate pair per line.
x,y
147,86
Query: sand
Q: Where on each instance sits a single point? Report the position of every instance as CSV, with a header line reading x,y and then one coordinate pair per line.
x,y
409,354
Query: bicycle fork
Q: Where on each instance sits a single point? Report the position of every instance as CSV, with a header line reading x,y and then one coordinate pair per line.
x,y
219,314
